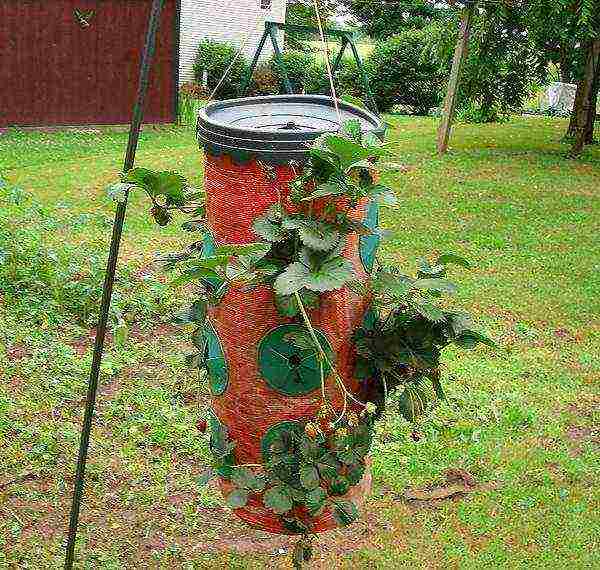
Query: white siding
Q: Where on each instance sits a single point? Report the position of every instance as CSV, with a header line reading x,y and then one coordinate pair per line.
x,y
224,20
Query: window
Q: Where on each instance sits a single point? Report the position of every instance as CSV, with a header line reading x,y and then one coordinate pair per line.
x,y
266,4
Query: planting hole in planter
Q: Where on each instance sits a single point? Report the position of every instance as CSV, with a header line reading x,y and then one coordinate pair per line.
x,y
291,369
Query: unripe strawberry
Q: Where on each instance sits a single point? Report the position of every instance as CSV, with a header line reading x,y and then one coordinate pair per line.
x,y
311,430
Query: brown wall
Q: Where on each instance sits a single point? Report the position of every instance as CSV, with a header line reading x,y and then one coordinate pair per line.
x,y
54,72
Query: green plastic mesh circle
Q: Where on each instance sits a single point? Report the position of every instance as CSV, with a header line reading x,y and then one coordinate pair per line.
x,y
289,369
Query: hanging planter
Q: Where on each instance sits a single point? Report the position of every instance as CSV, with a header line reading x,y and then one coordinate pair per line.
x,y
303,336
253,149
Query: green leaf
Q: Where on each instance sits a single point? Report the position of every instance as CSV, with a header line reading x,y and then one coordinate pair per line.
x,y
268,225
328,466
288,306
278,500
470,339
331,188
345,512
309,477
355,474
339,486
295,277
431,312
315,500
348,151
256,250
195,274
171,185
353,130
357,287
412,402
331,275
437,386
244,478
440,285
372,141
392,284
237,498
315,234
451,258
428,270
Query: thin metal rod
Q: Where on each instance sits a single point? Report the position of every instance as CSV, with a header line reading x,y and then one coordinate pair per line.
x,y
109,280
250,73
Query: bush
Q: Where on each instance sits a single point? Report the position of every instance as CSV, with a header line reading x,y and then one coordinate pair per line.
x,y
264,81
401,75
297,65
215,58
472,112
347,80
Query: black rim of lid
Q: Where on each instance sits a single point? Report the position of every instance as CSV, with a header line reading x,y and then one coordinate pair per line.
x,y
277,144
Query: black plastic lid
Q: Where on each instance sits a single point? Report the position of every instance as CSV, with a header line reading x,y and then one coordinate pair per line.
x,y
276,128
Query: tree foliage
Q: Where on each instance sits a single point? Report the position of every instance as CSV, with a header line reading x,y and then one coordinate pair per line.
x,y
382,19
302,13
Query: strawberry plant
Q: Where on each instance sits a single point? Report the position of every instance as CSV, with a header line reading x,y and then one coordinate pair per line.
x,y
300,256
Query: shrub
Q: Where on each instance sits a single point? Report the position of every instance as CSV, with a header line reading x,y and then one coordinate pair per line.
x,y
264,81
296,64
347,79
472,112
401,75
215,58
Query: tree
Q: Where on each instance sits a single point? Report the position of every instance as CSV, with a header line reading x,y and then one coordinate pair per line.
x,y
302,13
584,113
554,28
382,19
501,64
400,75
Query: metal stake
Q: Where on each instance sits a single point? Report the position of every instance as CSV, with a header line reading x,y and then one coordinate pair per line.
x,y
109,280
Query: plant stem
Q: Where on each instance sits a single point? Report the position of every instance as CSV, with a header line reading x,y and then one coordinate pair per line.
x,y
323,356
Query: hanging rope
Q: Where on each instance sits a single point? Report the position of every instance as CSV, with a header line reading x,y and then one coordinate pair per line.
x,y
327,62
249,34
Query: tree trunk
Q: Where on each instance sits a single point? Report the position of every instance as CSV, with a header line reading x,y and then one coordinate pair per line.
x,y
587,87
592,112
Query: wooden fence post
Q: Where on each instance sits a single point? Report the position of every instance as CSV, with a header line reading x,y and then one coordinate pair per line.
x,y
460,53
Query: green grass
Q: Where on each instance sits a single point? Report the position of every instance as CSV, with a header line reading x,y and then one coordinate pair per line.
x,y
523,420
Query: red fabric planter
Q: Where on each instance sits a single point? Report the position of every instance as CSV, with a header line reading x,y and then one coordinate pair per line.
x,y
236,195
253,149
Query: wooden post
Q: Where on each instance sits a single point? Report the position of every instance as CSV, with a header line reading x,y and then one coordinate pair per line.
x,y
460,53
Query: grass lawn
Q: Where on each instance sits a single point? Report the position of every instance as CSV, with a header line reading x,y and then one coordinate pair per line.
x,y
523,420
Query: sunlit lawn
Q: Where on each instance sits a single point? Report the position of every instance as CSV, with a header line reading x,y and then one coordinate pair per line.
x,y
523,420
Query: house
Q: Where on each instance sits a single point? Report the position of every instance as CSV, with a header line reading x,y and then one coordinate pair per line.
x,y
69,62
230,21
